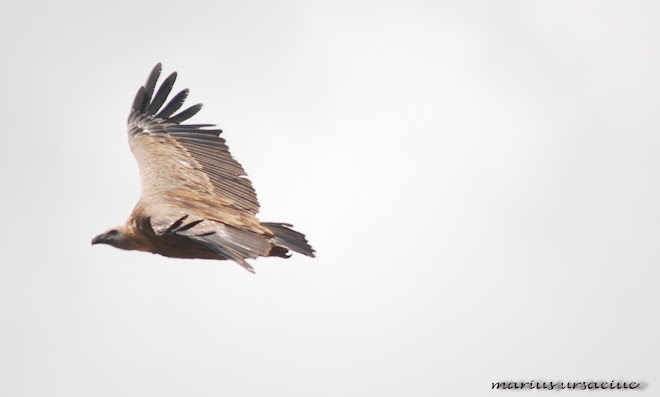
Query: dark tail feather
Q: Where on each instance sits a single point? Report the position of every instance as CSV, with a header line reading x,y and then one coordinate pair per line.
x,y
289,239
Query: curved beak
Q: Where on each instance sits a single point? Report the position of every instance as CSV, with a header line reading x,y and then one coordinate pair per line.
x,y
98,239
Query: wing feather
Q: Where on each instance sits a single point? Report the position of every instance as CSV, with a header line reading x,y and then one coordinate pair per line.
x,y
186,114
150,85
174,105
137,102
176,157
162,94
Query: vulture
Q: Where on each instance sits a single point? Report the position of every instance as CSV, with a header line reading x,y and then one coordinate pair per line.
x,y
196,200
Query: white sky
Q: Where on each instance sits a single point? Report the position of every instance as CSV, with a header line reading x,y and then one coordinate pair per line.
x,y
480,180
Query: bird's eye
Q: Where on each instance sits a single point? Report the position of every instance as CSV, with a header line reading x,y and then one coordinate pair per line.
x,y
112,233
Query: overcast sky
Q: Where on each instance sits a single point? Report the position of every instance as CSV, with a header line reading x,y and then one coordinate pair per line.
x,y
480,180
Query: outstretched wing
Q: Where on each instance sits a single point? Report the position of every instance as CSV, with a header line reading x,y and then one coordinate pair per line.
x,y
175,158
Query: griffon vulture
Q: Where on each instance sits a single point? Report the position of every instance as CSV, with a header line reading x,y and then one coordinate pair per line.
x,y
196,200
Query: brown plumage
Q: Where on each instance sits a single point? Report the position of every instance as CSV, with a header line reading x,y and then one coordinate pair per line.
x,y
196,200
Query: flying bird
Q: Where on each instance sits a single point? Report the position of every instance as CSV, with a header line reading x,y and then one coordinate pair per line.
x,y
196,199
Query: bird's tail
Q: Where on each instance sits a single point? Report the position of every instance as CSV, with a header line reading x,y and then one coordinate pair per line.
x,y
287,239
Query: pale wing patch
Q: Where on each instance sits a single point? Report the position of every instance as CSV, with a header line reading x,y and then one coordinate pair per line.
x,y
167,166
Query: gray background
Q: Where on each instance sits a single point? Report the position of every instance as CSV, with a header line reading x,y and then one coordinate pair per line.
x,y
480,180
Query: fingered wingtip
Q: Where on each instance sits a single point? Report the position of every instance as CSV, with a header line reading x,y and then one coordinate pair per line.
x,y
157,69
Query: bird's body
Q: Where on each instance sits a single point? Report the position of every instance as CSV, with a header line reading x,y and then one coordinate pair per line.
x,y
196,201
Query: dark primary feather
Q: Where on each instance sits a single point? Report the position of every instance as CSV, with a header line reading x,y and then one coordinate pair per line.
x,y
137,102
186,114
150,85
174,105
162,94
143,96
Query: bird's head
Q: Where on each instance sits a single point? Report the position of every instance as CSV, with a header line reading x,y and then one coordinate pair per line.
x,y
117,237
